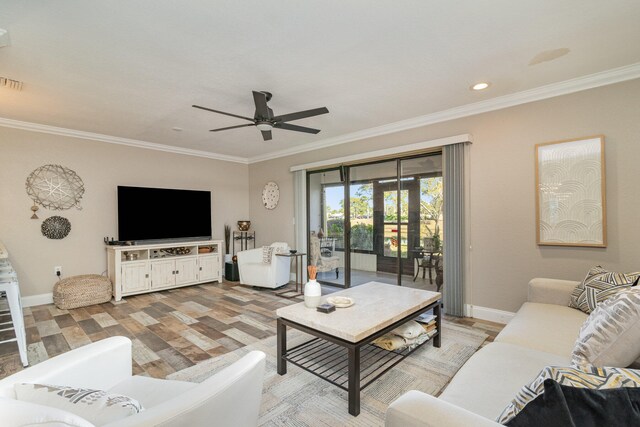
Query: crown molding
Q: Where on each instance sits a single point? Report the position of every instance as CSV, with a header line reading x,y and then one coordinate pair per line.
x,y
566,87
53,130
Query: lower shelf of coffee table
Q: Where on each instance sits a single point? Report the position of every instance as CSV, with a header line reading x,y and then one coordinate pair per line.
x,y
330,361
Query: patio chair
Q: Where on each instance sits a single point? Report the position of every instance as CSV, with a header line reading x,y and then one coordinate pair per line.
x,y
323,260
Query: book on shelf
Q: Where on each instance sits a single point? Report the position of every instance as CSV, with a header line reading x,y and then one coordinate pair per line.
x,y
426,317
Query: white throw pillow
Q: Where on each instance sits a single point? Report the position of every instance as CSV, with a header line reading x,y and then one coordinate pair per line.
x,y
611,334
95,406
16,413
411,329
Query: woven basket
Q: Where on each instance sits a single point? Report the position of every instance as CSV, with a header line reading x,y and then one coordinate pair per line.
x,y
81,291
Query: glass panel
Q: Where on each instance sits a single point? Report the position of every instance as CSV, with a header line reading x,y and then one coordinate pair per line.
x,y
361,218
422,179
391,242
326,226
373,214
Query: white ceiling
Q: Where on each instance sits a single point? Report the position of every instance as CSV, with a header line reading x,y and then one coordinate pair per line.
x,y
133,69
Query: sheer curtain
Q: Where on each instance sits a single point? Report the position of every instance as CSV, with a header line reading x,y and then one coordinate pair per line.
x,y
455,239
300,213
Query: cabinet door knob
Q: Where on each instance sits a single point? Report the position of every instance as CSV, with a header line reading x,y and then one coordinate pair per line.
x,y
200,268
146,276
177,271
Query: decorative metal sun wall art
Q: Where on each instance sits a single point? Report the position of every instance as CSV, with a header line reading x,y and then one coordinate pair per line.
x,y
55,187
56,227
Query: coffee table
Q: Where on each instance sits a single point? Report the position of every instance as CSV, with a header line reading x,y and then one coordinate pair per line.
x,y
342,353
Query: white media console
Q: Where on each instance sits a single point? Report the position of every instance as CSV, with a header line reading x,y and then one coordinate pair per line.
x,y
148,268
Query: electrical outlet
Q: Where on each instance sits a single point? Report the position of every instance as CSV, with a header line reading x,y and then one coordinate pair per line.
x,y
57,270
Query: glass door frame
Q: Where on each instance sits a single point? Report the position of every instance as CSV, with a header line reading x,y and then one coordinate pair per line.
x,y
346,181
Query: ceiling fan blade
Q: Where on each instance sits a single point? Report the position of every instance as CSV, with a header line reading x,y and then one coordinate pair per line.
x,y
266,135
262,110
287,126
232,127
222,112
301,115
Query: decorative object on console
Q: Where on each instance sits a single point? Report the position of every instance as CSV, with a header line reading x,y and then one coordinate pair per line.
x,y
270,195
312,289
598,285
182,250
293,251
244,225
56,227
55,187
570,193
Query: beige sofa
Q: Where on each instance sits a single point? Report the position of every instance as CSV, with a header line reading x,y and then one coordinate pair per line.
x,y
543,332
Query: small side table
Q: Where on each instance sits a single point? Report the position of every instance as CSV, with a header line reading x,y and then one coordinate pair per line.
x,y
291,293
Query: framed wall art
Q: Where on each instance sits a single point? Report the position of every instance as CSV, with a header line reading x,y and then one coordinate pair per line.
x,y
571,193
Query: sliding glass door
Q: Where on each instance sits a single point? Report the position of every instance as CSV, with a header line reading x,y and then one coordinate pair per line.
x,y
380,221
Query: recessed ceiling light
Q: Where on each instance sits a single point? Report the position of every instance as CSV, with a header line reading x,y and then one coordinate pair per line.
x,y
480,86
177,129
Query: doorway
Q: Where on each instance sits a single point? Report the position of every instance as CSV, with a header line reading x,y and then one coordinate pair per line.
x,y
377,221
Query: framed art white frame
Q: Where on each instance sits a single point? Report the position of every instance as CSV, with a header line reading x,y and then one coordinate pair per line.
x,y
571,193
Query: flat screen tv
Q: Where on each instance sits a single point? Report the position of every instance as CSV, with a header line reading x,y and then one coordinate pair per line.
x,y
163,214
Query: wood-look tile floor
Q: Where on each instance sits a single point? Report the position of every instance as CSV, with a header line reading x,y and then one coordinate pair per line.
x,y
170,330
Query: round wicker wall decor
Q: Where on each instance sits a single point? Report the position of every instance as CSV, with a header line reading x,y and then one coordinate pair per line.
x,y
55,187
56,227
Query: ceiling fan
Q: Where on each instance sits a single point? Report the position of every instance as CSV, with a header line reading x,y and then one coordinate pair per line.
x,y
264,119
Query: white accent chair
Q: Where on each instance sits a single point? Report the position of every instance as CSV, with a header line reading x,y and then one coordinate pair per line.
x,y
254,272
231,397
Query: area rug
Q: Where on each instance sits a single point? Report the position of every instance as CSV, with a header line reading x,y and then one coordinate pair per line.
x,y
301,399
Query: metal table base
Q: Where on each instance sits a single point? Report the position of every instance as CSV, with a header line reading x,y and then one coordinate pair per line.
x,y
350,366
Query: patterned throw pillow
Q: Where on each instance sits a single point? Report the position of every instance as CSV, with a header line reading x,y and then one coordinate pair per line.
x,y
588,377
96,406
611,334
267,254
598,286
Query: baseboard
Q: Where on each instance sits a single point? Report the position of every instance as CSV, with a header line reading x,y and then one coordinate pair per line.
x,y
486,313
41,299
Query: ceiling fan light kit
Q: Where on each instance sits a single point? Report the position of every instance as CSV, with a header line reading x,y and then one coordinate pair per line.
x,y
264,119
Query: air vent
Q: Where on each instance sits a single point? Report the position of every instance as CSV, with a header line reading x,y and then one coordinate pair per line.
x,y
10,83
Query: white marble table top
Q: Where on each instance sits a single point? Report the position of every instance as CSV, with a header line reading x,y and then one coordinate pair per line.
x,y
377,305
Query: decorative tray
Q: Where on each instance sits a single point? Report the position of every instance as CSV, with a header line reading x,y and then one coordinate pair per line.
x,y
341,302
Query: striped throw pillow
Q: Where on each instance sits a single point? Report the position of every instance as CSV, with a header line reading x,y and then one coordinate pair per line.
x,y
267,254
598,286
611,334
586,377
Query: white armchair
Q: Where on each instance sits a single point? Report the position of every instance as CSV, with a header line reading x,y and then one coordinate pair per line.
x,y
254,272
231,397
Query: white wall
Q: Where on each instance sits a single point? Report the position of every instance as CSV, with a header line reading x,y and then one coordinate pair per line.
x,y
102,167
